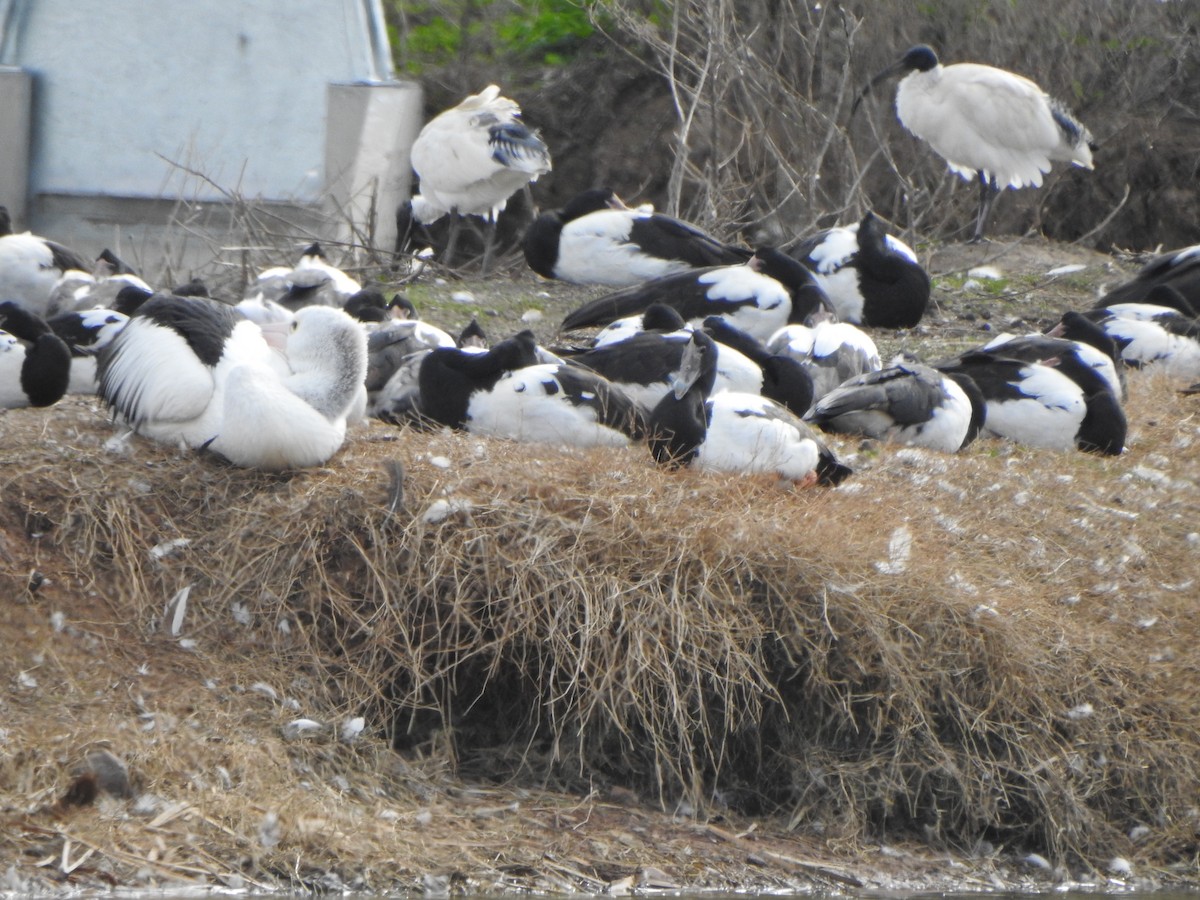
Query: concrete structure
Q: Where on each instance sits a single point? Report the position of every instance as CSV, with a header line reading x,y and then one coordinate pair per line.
x,y
161,128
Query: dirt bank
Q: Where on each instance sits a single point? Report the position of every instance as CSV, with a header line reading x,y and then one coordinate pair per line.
x,y
1048,596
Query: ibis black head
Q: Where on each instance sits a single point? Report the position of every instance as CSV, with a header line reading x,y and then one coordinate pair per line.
x,y
590,201
920,58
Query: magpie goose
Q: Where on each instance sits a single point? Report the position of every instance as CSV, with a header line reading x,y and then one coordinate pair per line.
x,y
596,239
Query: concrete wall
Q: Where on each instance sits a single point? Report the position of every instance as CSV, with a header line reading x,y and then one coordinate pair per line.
x,y
170,102
16,97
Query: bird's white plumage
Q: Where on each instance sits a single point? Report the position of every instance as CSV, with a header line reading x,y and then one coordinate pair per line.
x,y
28,273
868,411
1049,415
1147,343
254,407
761,319
531,406
980,118
750,434
596,249
12,358
462,169
831,351
1094,358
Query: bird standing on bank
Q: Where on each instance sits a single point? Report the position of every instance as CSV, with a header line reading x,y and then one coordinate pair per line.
x,y
470,159
987,123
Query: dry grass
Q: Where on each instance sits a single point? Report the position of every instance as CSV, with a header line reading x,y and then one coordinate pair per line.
x,y
584,621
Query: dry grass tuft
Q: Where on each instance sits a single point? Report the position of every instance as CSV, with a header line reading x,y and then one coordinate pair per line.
x,y
996,647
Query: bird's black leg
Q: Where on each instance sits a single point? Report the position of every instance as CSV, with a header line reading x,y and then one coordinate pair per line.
x,y
987,196
489,243
452,239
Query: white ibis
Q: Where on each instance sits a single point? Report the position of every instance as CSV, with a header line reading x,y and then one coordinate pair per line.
x,y
987,123
470,159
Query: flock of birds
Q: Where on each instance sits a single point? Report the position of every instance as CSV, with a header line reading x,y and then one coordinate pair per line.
x,y
710,354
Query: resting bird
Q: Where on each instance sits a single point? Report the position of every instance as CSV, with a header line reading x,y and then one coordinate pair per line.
x,y
557,403
30,267
1152,336
1038,405
77,290
1178,270
830,351
988,124
190,371
451,378
35,364
759,296
86,332
906,403
597,239
870,277
470,159
645,365
732,431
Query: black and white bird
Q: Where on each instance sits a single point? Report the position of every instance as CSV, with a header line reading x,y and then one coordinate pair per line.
x,y
470,160
189,371
450,378
646,364
831,351
759,296
86,332
1038,405
505,392
558,403
871,277
35,363
1154,337
658,317
988,124
1178,270
1091,368
109,275
596,239
905,403
30,266
735,432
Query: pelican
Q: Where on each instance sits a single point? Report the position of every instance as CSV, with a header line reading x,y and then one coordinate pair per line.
x,y
987,123
191,371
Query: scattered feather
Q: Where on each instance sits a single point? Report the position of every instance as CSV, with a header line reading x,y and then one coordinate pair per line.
x,y
168,548
302,728
442,509
175,611
1082,711
899,550
351,729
